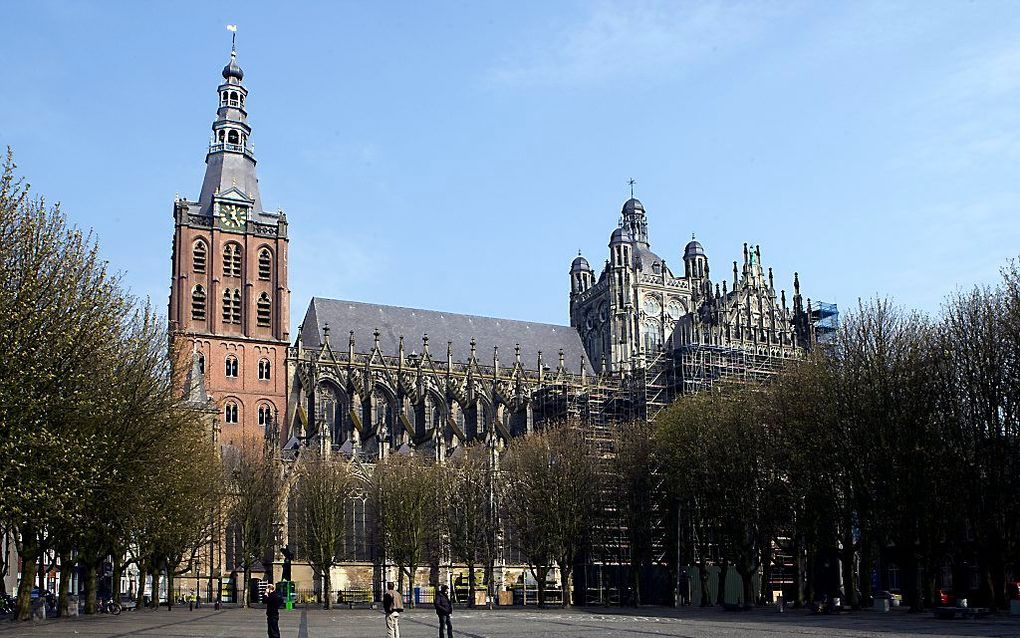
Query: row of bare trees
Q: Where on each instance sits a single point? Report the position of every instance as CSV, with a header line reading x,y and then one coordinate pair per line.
x,y
100,460
543,490
900,444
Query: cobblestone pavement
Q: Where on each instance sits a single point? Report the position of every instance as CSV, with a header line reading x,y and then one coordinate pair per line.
x,y
686,623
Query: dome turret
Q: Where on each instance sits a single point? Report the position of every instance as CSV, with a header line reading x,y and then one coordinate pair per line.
x,y
232,70
579,264
693,248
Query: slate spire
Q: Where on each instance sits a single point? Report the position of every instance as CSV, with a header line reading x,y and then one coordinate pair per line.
x,y
230,162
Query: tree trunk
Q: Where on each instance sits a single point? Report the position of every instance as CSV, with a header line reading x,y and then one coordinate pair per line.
x,y
118,567
63,604
635,575
411,571
244,586
327,582
490,581
140,594
471,584
747,585
720,590
89,577
28,550
540,575
154,577
169,588
706,599
849,581
565,569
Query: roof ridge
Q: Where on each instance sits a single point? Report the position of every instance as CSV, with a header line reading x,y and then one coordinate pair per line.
x,y
440,312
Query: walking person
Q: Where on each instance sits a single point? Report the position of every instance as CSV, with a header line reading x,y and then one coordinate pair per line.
x,y
273,603
444,609
393,605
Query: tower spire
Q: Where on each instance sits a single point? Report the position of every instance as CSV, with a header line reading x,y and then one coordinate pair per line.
x,y
230,189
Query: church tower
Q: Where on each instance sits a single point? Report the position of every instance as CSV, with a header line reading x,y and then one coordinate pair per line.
x,y
229,301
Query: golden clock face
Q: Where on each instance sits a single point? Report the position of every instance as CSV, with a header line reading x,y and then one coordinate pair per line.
x,y
232,215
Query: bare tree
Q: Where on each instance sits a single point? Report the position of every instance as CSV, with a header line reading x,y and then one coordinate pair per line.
x,y
472,519
253,497
552,499
321,503
405,494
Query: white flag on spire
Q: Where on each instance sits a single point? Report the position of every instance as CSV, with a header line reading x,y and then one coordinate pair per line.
x,y
232,28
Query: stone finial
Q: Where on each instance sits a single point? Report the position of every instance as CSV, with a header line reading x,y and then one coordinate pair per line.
x,y
796,283
473,343
375,338
517,352
425,344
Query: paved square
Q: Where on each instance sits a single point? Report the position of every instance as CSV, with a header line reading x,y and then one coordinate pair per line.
x,y
552,623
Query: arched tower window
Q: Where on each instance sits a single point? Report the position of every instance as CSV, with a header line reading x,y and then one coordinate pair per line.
x,y
230,366
265,264
265,414
233,98
265,369
222,135
199,254
231,305
201,363
198,303
232,138
231,260
264,310
230,412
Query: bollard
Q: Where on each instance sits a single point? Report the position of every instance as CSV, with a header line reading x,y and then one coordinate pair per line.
x,y
780,606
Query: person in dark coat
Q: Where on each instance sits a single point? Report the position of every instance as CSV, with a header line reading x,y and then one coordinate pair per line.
x,y
273,603
393,605
444,609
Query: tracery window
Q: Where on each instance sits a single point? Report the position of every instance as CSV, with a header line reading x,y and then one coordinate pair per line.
x,y
198,303
198,256
265,264
230,412
231,260
231,305
264,310
230,366
264,369
265,414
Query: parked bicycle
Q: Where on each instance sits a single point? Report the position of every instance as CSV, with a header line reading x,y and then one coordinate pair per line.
x,y
110,606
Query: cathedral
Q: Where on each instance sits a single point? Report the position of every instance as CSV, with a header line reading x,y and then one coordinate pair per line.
x,y
366,380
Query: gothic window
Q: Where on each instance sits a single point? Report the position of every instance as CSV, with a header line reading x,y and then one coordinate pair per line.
x,y
201,363
265,415
231,305
264,369
651,336
230,412
232,138
231,260
198,303
265,264
198,256
230,366
264,310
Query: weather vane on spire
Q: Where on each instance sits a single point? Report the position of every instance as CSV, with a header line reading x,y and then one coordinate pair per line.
x,y
233,37
631,183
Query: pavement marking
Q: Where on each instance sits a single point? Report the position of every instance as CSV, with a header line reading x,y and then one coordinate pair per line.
x,y
303,627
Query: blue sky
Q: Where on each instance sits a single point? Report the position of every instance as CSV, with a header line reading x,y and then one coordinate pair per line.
x,y
456,155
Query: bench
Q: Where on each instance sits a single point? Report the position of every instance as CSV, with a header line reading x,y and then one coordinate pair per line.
x,y
949,613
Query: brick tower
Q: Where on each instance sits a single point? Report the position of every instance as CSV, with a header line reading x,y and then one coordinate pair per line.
x,y
229,302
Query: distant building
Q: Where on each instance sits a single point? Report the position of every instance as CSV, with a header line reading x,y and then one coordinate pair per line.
x,y
366,380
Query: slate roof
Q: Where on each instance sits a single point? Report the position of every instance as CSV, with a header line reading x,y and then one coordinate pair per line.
x,y
441,327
